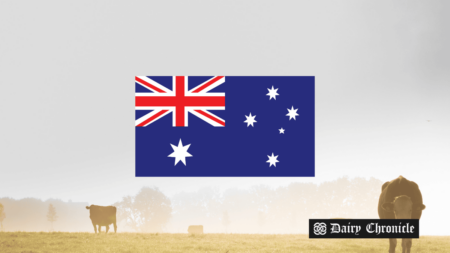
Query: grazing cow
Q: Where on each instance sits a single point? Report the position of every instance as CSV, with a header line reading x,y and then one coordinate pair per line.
x,y
102,216
195,229
400,199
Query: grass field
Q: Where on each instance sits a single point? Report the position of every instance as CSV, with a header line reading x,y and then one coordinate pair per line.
x,y
25,242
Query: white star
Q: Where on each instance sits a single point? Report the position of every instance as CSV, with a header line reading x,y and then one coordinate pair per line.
x,y
292,113
272,93
250,120
281,131
180,153
272,160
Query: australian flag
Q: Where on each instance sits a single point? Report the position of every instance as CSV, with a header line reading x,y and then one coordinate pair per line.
x,y
224,126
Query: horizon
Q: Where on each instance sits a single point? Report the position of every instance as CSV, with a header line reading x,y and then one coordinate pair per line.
x,y
174,224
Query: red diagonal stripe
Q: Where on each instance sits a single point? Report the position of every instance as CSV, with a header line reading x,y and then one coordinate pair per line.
x,y
210,117
151,86
204,86
145,122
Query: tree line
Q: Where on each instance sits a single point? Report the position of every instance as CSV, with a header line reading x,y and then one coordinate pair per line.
x,y
260,209
51,216
30,214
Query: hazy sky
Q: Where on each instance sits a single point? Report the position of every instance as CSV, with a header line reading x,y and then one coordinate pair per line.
x,y
67,89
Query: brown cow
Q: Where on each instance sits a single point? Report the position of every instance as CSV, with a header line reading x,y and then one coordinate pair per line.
x,y
195,229
102,216
400,199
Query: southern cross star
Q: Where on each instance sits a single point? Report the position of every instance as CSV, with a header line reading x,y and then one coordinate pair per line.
x,y
250,120
180,153
272,93
281,131
292,113
272,160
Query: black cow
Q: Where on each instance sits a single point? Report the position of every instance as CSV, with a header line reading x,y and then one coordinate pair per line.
x,y
103,216
400,199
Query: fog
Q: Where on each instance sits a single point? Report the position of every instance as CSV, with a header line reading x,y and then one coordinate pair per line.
x,y
260,209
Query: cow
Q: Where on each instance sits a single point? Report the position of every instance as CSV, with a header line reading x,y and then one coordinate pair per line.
x,y
195,229
102,216
400,199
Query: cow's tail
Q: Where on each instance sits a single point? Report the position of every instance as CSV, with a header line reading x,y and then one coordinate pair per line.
x,y
87,207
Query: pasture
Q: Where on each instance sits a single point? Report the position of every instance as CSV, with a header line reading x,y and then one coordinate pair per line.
x,y
34,242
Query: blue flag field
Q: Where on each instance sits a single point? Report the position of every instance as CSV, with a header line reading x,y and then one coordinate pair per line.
x,y
225,126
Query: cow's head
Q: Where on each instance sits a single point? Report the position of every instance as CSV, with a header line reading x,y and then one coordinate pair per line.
x,y
402,206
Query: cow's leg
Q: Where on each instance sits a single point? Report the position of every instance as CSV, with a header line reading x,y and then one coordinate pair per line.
x,y
392,244
107,228
406,245
95,227
99,229
115,227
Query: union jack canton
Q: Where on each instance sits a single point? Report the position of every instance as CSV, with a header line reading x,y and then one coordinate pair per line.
x,y
179,101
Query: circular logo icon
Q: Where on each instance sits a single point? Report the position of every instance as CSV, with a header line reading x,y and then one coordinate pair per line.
x,y
320,228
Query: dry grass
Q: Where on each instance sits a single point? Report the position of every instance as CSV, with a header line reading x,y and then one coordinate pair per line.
x,y
25,242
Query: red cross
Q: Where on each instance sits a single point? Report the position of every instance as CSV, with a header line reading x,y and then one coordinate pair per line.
x,y
180,101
